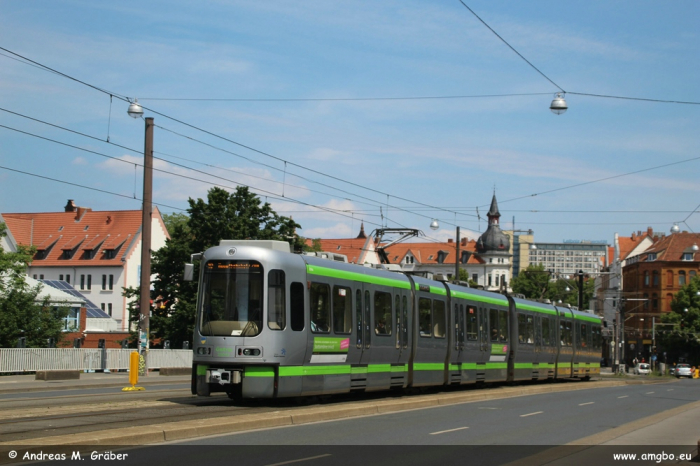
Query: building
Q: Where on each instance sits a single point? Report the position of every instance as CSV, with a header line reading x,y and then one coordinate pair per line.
x,y
97,252
651,279
609,284
569,257
493,249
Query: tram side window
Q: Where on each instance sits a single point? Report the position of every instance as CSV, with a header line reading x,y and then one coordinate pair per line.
x,y
424,321
526,329
493,322
584,336
342,309
358,313
597,340
439,318
472,324
296,306
502,326
319,307
383,321
565,333
546,334
276,318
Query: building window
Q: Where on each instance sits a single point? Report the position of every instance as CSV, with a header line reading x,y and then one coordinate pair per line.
x,y
651,256
60,277
89,282
687,256
34,277
111,282
646,278
41,276
654,301
104,282
681,278
109,309
102,306
475,277
72,320
655,277
82,282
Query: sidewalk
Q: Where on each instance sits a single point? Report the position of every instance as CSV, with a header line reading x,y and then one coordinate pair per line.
x,y
27,383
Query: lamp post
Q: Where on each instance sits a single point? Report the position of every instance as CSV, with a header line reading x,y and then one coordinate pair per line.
x,y
136,111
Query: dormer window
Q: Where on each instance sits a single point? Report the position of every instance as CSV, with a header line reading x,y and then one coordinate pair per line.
x,y
687,256
651,257
86,227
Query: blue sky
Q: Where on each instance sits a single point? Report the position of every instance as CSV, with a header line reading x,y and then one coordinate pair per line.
x,y
405,161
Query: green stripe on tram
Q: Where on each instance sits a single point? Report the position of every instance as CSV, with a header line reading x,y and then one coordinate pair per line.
x,y
259,371
530,307
357,277
587,318
482,299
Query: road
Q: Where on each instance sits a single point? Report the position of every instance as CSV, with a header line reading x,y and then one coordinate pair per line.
x,y
545,419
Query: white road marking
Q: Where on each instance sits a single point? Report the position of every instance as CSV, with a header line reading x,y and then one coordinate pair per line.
x,y
625,396
531,414
300,460
584,404
649,393
489,408
451,430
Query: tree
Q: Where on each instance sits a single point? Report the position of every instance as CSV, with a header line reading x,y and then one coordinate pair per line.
x,y
464,277
21,315
173,220
224,215
531,282
681,338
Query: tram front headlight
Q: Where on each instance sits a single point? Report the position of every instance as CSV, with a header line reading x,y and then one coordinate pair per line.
x,y
203,350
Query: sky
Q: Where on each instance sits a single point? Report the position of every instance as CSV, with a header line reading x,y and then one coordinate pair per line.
x,y
389,113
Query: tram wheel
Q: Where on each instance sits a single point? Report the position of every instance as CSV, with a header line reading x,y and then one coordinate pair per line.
x,y
236,393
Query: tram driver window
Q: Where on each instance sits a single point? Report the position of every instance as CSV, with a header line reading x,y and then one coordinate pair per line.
x,y
319,307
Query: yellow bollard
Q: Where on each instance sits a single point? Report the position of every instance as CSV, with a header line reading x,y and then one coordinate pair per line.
x,y
696,375
133,373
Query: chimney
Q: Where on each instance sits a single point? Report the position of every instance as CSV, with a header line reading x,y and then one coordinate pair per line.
x,y
70,206
450,241
463,243
109,219
80,212
650,231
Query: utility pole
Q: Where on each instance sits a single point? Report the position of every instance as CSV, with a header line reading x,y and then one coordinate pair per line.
x,y
146,216
457,258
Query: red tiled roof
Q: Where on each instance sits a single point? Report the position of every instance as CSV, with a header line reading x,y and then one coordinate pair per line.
x,y
428,253
352,247
84,227
672,247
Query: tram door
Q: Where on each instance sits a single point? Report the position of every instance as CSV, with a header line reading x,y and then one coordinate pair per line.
x,y
363,325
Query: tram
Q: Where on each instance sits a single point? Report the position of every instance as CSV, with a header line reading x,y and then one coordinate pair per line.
x,y
273,324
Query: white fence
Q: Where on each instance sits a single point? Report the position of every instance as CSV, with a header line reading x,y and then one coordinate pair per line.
x,y
46,359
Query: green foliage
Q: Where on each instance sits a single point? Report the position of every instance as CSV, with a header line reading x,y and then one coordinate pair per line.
x,y
536,283
224,215
531,282
20,313
173,220
315,246
679,334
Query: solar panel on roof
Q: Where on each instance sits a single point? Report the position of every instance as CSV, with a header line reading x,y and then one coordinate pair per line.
x,y
93,311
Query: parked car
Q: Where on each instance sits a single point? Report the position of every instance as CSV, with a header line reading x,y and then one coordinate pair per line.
x,y
683,370
642,369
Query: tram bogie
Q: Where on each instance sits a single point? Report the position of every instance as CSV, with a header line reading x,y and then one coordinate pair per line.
x,y
272,324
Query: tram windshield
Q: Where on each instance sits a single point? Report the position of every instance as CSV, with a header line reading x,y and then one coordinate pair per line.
x,y
232,293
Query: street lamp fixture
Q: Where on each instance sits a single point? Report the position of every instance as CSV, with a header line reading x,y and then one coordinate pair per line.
x,y
558,105
135,110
